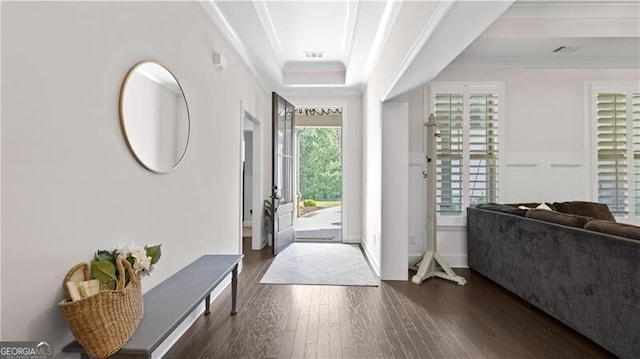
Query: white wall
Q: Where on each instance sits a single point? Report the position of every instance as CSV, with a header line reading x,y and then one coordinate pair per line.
x,y
395,192
546,153
352,160
70,185
417,183
410,20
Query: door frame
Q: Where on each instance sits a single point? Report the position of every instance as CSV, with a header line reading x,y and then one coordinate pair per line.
x,y
258,240
345,158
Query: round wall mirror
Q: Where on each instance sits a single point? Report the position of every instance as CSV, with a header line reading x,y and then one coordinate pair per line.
x,y
154,117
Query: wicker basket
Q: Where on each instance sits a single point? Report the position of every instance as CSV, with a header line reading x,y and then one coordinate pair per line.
x,y
103,323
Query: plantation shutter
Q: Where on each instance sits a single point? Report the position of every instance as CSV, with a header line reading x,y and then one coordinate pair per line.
x,y
635,113
612,151
449,116
467,166
483,148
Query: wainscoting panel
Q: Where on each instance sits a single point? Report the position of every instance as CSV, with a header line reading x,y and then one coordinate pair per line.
x,y
566,183
452,246
542,176
520,183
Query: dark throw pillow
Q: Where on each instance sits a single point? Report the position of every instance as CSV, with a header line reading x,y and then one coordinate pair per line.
x,y
588,209
616,229
503,208
559,218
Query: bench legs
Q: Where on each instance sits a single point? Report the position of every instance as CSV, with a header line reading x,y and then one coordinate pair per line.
x,y
234,289
207,305
234,294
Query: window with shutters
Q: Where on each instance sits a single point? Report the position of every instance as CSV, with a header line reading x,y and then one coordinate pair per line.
x,y
468,118
616,117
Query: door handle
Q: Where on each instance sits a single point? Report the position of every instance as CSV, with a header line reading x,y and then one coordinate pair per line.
x,y
275,198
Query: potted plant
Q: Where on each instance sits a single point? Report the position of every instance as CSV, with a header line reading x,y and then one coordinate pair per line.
x,y
268,220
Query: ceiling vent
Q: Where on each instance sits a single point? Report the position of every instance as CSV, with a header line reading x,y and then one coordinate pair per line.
x,y
313,54
565,49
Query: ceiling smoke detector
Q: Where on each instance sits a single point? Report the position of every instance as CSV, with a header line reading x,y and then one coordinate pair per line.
x,y
565,49
313,54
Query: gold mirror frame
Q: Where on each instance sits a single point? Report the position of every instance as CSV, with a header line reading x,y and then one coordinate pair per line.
x,y
153,153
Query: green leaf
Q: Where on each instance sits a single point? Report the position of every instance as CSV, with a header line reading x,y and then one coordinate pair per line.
x,y
104,256
154,252
103,270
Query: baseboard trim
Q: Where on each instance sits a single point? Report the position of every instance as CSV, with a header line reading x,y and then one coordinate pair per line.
x,y
374,264
353,239
413,257
247,224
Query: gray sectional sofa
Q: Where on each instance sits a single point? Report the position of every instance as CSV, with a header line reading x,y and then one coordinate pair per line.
x,y
567,265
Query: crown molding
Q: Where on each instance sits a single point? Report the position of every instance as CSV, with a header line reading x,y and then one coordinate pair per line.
x,y
270,29
349,29
221,22
389,16
427,30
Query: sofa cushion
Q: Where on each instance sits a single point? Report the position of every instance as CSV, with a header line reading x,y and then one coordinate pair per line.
x,y
617,229
588,209
558,217
503,208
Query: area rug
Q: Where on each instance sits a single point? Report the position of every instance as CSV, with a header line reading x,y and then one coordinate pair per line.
x,y
321,264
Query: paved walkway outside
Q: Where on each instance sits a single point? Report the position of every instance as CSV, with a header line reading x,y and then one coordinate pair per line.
x,y
324,224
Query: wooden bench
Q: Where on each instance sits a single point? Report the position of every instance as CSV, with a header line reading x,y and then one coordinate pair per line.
x,y
170,302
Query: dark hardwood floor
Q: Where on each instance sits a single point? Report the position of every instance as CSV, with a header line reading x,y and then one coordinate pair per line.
x,y
437,319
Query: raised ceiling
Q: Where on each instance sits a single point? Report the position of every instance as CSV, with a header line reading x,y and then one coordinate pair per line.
x,y
331,46
600,34
306,44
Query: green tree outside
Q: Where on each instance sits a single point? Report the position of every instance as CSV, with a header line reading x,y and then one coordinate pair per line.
x,y
321,163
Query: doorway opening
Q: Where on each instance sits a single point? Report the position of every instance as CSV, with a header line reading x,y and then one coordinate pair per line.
x,y
319,174
251,181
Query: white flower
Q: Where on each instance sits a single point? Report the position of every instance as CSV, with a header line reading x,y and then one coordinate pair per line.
x,y
141,262
125,251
